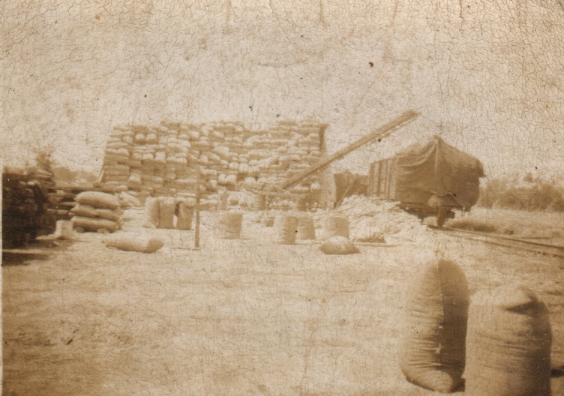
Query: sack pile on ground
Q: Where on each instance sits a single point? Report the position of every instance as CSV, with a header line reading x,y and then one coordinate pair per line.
x,y
97,211
160,159
433,340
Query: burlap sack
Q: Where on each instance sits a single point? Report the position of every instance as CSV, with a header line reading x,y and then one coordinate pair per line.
x,y
94,224
98,200
286,228
433,339
509,341
108,214
184,216
135,242
151,219
306,228
338,245
84,210
167,208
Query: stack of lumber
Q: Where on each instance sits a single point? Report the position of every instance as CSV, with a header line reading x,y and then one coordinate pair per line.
x,y
163,160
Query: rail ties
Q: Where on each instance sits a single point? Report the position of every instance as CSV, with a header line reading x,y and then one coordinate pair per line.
x,y
498,240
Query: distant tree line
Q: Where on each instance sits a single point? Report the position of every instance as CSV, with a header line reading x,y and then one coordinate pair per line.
x,y
528,193
62,175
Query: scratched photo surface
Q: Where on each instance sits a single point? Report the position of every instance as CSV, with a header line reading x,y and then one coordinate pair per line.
x,y
282,197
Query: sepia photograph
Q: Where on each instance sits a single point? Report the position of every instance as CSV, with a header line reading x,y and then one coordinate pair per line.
x,y
280,197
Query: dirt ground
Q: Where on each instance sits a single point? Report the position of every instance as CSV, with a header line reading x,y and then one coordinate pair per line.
x,y
238,317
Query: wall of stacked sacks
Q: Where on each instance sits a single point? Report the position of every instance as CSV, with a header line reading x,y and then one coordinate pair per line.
x,y
163,160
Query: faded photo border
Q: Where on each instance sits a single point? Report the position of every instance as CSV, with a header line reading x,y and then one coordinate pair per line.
x,y
233,308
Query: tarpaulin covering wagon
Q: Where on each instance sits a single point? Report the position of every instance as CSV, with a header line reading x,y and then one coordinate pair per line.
x,y
428,179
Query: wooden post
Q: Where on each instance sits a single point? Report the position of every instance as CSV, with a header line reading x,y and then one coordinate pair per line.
x,y
197,209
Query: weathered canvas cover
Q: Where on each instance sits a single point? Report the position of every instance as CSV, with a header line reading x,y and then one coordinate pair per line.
x,y
440,169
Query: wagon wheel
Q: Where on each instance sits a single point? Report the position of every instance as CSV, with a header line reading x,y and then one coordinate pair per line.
x,y
441,216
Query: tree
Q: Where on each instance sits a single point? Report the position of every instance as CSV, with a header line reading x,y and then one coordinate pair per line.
x,y
44,158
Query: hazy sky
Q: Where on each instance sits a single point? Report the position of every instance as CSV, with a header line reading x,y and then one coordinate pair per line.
x,y
487,76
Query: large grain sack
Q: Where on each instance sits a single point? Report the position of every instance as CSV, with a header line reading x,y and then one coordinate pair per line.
x,y
229,225
63,229
167,208
151,212
135,242
509,341
306,228
433,339
338,245
259,202
286,228
113,215
184,216
336,225
128,200
93,224
98,200
84,211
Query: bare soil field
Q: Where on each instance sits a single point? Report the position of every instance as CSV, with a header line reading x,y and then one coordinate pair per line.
x,y
238,317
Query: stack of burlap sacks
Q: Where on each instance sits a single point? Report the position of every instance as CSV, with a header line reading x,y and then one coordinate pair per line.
x,y
169,213
161,160
96,211
152,160
500,339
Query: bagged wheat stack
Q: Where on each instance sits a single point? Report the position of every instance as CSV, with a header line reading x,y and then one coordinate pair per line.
x,y
336,225
286,227
94,224
229,225
151,212
135,242
509,342
98,200
306,228
184,216
433,338
338,245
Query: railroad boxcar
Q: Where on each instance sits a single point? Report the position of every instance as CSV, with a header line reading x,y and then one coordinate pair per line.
x,y
429,179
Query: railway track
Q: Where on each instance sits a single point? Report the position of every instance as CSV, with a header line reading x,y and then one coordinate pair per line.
x,y
498,240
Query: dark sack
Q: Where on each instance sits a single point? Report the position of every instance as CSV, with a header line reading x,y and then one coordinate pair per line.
x,y
509,341
433,341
